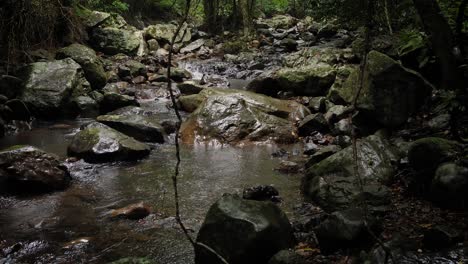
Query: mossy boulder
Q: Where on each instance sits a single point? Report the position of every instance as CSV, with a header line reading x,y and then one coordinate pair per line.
x,y
426,154
26,168
49,87
89,61
234,115
99,143
307,81
331,183
390,93
140,127
111,40
164,33
450,185
243,231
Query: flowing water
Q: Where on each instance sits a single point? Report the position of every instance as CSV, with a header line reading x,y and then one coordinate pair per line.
x,y
42,227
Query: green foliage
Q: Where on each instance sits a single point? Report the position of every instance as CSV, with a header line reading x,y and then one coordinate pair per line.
x,y
116,6
412,41
450,10
271,7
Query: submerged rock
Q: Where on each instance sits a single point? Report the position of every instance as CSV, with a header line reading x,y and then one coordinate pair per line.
x,y
261,193
234,115
31,169
89,61
49,87
287,257
140,127
332,184
134,211
100,143
243,231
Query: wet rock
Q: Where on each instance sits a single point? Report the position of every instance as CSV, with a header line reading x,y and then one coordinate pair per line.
x,y
450,185
10,86
317,104
140,127
50,86
100,143
190,87
331,182
313,123
426,154
139,80
287,257
153,45
134,211
86,106
88,60
256,231
322,154
19,110
310,148
337,112
164,33
234,115
193,46
114,101
308,81
440,237
280,153
92,18
31,169
135,68
134,261
343,229
391,92
261,193
289,167
289,44
177,74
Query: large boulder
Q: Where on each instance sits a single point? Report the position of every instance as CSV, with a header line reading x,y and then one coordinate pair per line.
x,y
31,169
234,115
89,61
86,106
140,127
390,93
100,143
111,40
309,81
165,32
243,231
49,87
332,183
112,101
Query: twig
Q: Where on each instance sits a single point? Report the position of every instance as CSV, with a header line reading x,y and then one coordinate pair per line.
x,y
176,141
362,69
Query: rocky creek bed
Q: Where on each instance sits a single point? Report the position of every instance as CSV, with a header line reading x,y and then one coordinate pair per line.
x,y
268,119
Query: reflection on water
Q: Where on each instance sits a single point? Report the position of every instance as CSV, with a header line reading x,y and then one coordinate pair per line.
x,y
207,172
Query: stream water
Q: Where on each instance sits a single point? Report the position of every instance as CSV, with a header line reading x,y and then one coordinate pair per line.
x,y
74,226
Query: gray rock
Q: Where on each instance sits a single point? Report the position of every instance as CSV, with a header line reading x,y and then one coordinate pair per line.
x,y
313,123
332,183
287,257
49,87
450,185
114,101
112,40
261,193
289,44
165,32
309,81
193,46
99,143
31,169
243,231
322,154
190,87
87,58
86,106
140,127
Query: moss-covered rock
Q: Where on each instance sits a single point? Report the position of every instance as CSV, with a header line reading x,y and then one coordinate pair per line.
x,y
308,81
164,33
111,40
137,126
426,154
100,143
450,185
332,183
391,92
31,169
49,87
243,231
89,61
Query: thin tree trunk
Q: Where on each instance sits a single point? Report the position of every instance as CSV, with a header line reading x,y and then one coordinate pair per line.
x,y
246,17
459,26
442,40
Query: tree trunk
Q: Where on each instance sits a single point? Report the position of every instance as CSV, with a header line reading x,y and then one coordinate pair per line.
x,y
212,22
441,37
459,27
246,16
